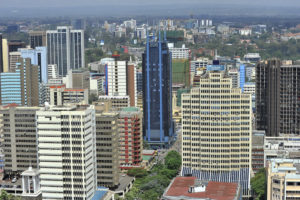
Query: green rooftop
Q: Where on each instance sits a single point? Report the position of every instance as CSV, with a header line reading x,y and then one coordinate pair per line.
x,y
130,109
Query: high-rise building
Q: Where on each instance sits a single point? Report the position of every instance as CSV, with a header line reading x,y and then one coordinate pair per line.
x,y
22,86
217,128
65,47
1,55
19,132
37,39
107,145
242,73
116,79
131,84
5,54
157,93
131,137
277,98
38,57
15,45
139,81
67,152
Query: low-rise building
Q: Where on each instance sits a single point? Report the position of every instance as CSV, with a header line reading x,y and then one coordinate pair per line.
x,y
193,188
118,102
283,179
60,95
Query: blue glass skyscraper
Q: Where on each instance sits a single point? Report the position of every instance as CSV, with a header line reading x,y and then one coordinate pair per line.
x,y
157,92
242,77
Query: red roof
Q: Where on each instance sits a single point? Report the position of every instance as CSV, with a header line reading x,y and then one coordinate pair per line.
x,y
57,86
214,190
11,105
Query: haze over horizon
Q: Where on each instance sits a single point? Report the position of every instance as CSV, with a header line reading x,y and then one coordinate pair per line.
x,y
116,8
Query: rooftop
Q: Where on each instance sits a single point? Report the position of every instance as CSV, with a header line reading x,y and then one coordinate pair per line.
x,y
214,190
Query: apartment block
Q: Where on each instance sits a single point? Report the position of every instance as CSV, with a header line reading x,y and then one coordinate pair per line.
x,y
67,152
19,133
131,137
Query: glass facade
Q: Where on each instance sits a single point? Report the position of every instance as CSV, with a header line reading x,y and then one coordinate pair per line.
x,y
11,88
66,49
157,89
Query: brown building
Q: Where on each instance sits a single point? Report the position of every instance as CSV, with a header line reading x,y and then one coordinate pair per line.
x,y
29,82
131,84
37,39
14,45
19,132
80,79
277,98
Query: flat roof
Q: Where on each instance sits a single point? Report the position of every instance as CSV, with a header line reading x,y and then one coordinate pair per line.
x,y
214,190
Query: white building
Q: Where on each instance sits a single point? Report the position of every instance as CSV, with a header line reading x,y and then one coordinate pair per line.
x,y
245,31
52,71
199,63
67,152
13,59
130,24
179,53
116,78
235,75
249,88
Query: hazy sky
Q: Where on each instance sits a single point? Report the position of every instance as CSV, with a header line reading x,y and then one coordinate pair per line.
x,y
55,3
36,8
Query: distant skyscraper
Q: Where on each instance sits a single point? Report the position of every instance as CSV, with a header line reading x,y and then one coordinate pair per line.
x,y
78,24
68,163
1,55
65,47
5,55
38,57
277,98
157,92
37,39
13,59
15,45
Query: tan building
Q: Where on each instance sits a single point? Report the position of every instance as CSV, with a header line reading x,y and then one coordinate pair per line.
x,y
80,79
216,125
107,144
60,95
37,39
118,102
19,132
13,59
283,179
5,55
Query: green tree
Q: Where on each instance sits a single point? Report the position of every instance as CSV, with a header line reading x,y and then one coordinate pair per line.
x,y
258,184
5,196
173,160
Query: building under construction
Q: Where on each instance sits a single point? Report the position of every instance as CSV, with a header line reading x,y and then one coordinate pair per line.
x,y
181,72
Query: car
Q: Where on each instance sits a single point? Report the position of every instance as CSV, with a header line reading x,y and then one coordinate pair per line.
x,y
14,180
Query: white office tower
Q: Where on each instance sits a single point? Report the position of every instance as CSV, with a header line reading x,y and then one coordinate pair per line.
x,y
116,83
179,53
67,152
52,71
65,47
217,128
